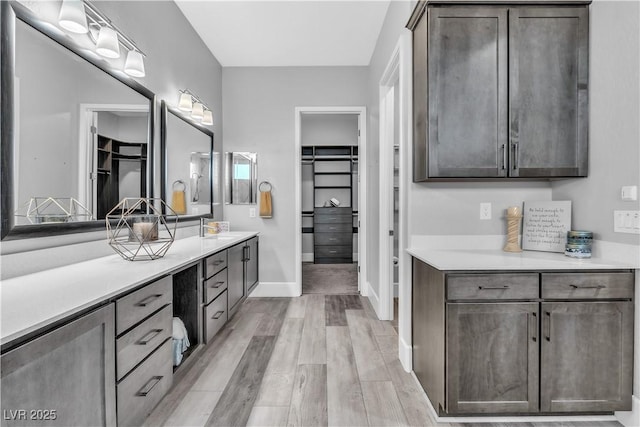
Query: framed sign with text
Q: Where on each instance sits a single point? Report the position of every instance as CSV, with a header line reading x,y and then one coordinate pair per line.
x,y
545,225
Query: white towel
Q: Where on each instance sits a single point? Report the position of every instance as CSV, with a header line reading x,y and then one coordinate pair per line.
x,y
180,333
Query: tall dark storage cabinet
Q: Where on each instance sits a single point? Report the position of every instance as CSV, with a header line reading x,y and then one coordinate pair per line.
x,y
500,91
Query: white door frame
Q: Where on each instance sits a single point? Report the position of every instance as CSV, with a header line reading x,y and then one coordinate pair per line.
x,y
398,70
362,189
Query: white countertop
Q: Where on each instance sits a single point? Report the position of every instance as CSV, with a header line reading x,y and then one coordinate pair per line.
x,y
460,259
36,300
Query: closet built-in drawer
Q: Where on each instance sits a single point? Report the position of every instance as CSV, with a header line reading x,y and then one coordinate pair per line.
x,y
136,306
144,387
214,286
319,212
333,219
215,316
344,227
215,263
493,286
333,251
333,238
607,285
138,343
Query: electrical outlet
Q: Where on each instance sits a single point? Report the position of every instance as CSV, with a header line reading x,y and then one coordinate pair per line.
x,y
485,210
252,212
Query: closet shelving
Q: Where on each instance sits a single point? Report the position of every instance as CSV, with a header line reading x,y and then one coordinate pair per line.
x,y
334,174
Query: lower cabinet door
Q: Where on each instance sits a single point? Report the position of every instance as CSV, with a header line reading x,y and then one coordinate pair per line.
x,y
587,356
65,377
235,275
492,358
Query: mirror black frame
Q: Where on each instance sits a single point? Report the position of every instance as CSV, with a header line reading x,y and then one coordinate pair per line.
x,y
10,12
165,110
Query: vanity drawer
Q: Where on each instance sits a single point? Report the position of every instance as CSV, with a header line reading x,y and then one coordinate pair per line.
x,y
215,316
134,307
617,285
136,344
214,286
144,387
343,227
215,263
333,219
492,286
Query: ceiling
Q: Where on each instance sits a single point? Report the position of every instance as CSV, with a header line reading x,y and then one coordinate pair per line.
x,y
270,33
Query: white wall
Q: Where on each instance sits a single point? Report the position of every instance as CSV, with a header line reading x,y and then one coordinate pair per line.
x,y
259,106
329,129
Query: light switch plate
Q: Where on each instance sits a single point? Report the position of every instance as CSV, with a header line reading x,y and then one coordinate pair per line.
x,y
252,212
626,222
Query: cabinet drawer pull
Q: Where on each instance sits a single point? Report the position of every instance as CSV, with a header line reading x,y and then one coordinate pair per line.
x,y
548,326
515,156
217,285
333,239
218,262
534,335
333,252
149,337
588,287
147,300
488,288
217,315
504,156
149,386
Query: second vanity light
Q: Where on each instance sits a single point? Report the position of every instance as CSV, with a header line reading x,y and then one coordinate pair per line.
x,y
189,103
80,17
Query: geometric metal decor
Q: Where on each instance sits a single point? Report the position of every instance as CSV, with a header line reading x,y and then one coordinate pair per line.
x,y
43,210
137,229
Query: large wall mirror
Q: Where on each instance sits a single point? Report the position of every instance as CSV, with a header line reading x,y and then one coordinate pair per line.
x,y
76,138
190,167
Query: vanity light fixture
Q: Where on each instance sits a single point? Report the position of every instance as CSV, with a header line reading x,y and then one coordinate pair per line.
x,y
73,17
198,110
81,16
107,44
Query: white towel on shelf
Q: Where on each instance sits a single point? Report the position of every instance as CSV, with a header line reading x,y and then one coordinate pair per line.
x,y
180,340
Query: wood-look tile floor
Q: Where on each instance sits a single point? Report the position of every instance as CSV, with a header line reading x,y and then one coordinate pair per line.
x,y
316,360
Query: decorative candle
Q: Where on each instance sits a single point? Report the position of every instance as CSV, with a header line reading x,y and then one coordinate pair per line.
x,y
514,211
145,231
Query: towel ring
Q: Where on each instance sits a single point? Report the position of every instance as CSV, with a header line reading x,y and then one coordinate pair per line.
x,y
178,182
266,183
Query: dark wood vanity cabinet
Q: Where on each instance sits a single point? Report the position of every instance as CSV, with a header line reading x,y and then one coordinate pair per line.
x,y
500,91
64,377
524,342
242,272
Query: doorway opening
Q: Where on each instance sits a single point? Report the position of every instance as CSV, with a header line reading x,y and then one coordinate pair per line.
x,y
330,199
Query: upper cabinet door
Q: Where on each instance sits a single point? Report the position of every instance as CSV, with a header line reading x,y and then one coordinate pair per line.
x,y
467,92
548,86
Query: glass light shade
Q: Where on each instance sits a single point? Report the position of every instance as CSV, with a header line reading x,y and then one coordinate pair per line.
x,y
207,118
72,16
107,44
185,103
134,65
198,111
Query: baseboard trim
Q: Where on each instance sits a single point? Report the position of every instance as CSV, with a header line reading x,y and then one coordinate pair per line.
x,y
274,289
307,257
630,418
405,354
374,299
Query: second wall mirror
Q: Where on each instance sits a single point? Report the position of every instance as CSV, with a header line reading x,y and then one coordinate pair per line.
x,y
189,165
241,178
